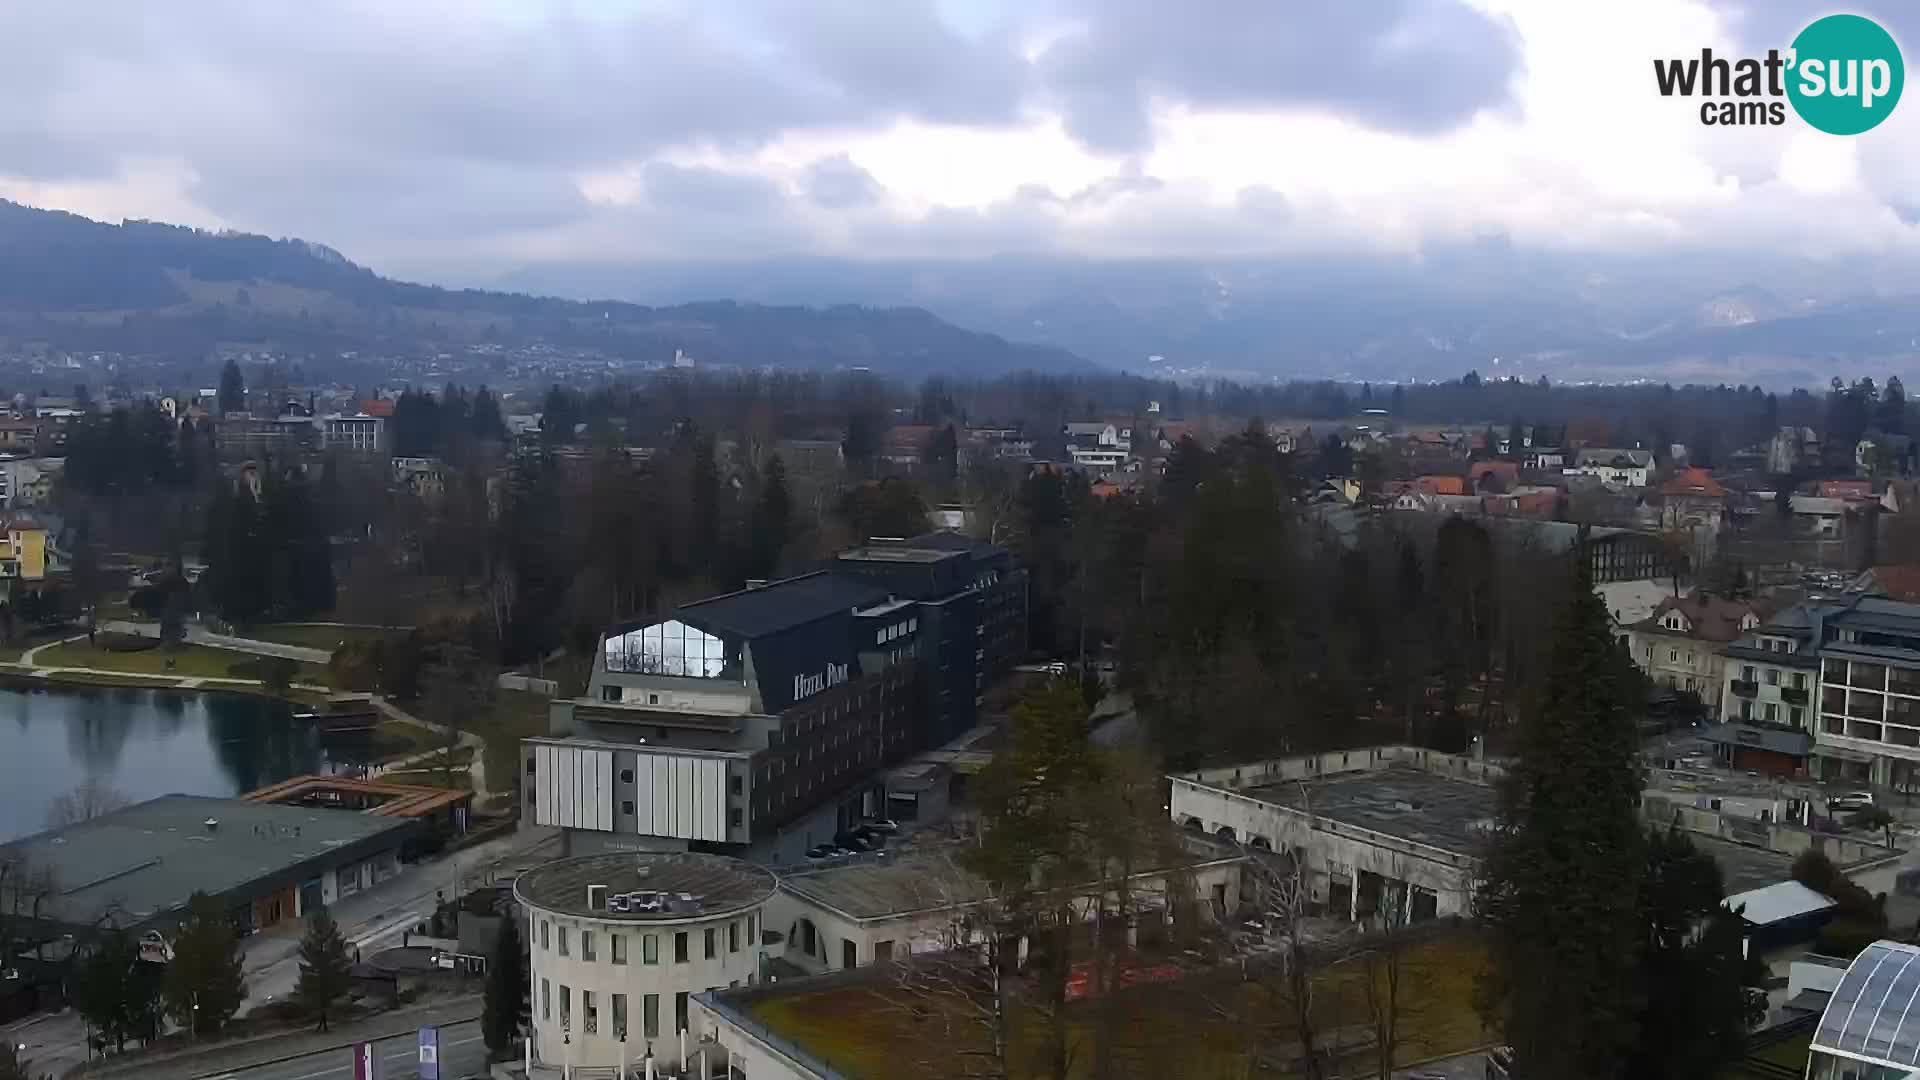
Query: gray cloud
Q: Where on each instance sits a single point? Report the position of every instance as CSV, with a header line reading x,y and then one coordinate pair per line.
x,y
1403,65
836,183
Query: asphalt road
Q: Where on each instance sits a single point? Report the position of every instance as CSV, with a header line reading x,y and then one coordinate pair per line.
x,y
463,1052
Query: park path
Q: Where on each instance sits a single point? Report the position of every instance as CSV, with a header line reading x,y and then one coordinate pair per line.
x,y
196,635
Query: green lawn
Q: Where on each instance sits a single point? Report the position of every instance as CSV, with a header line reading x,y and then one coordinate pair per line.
x,y
313,636
515,715
880,1029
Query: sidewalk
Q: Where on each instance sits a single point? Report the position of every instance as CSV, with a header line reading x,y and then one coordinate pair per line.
x,y
248,1053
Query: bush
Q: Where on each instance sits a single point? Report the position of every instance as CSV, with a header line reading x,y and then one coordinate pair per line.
x,y
1848,937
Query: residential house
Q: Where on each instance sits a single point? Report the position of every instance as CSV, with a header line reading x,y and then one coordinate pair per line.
x,y
1896,581
1615,468
1693,501
1681,644
1790,448
360,433
1544,458
1099,446
1494,477
1773,671
421,477
19,436
1819,518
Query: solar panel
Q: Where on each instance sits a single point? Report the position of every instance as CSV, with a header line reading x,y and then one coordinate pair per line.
x,y
1872,1012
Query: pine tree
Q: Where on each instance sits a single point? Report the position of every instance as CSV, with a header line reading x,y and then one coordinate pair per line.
x,y
233,389
204,987
506,988
115,992
1695,1014
1561,889
772,518
326,972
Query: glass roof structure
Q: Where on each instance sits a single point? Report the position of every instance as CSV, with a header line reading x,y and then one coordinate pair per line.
x,y
1874,1014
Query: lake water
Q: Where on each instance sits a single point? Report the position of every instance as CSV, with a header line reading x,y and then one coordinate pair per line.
x,y
143,743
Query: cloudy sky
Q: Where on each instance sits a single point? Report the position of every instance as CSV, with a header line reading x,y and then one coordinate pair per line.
x,y
454,138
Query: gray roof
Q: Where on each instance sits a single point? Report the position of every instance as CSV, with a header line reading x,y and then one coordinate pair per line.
x,y
1407,803
147,859
1791,741
696,886
1606,455
1871,1012
780,605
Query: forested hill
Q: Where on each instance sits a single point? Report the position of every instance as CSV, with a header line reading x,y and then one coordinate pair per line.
x,y
147,287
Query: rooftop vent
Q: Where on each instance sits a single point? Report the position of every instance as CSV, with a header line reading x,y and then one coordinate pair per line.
x,y
212,824
596,897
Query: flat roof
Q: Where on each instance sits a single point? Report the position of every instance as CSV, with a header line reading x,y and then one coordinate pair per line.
x,y
930,878
698,886
1411,804
151,857
1743,867
1777,902
897,553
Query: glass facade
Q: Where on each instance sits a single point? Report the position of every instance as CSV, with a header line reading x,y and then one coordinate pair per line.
x,y
668,648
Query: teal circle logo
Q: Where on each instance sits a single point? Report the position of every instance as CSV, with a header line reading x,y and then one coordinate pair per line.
x,y
1846,74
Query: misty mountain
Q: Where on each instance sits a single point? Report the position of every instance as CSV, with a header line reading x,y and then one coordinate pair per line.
x,y
145,287
1568,316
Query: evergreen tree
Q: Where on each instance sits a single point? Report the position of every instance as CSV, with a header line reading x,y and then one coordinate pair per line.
x,y
887,507
506,988
1561,892
203,986
233,389
1891,414
486,424
943,456
772,521
326,971
1694,1016
117,993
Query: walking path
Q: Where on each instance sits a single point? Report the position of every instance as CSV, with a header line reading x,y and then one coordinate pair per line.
x,y
477,770
196,635
26,658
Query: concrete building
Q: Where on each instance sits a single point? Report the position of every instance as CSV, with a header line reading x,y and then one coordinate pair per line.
x,y
358,433
1370,827
763,722
1680,645
621,943
758,722
136,867
874,908
1773,671
1869,692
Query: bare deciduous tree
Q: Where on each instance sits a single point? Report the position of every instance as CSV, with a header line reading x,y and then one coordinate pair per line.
x,y
88,800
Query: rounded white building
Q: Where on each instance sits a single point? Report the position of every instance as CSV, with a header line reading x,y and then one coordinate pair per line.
x,y
621,942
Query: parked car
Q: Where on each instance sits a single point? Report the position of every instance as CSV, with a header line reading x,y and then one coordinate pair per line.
x,y
883,825
822,851
1852,800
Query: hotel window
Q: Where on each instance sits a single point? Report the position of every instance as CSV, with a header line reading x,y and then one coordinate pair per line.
x,y
1797,716
546,1000
680,1011
1773,676
563,941
1746,673
619,948
546,941
733,937
650,949
609,693
586,945
650,1016
566,1007
709,943
590,1012
680,947
619,1016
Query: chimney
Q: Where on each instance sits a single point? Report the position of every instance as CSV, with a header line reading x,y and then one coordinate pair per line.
x,y
596,897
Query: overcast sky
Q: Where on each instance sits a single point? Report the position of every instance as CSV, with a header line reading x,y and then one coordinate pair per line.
x,y
449,138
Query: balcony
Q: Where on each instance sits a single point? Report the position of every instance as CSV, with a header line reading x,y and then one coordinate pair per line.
x,y
1744,688
1794,695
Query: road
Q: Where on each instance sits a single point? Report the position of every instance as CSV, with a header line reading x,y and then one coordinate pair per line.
x,y
463,1052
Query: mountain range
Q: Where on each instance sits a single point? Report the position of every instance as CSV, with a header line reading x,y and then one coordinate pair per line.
x,y
1489,307
143,287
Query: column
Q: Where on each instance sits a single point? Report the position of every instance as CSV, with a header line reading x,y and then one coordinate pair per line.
x,y
1353,892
